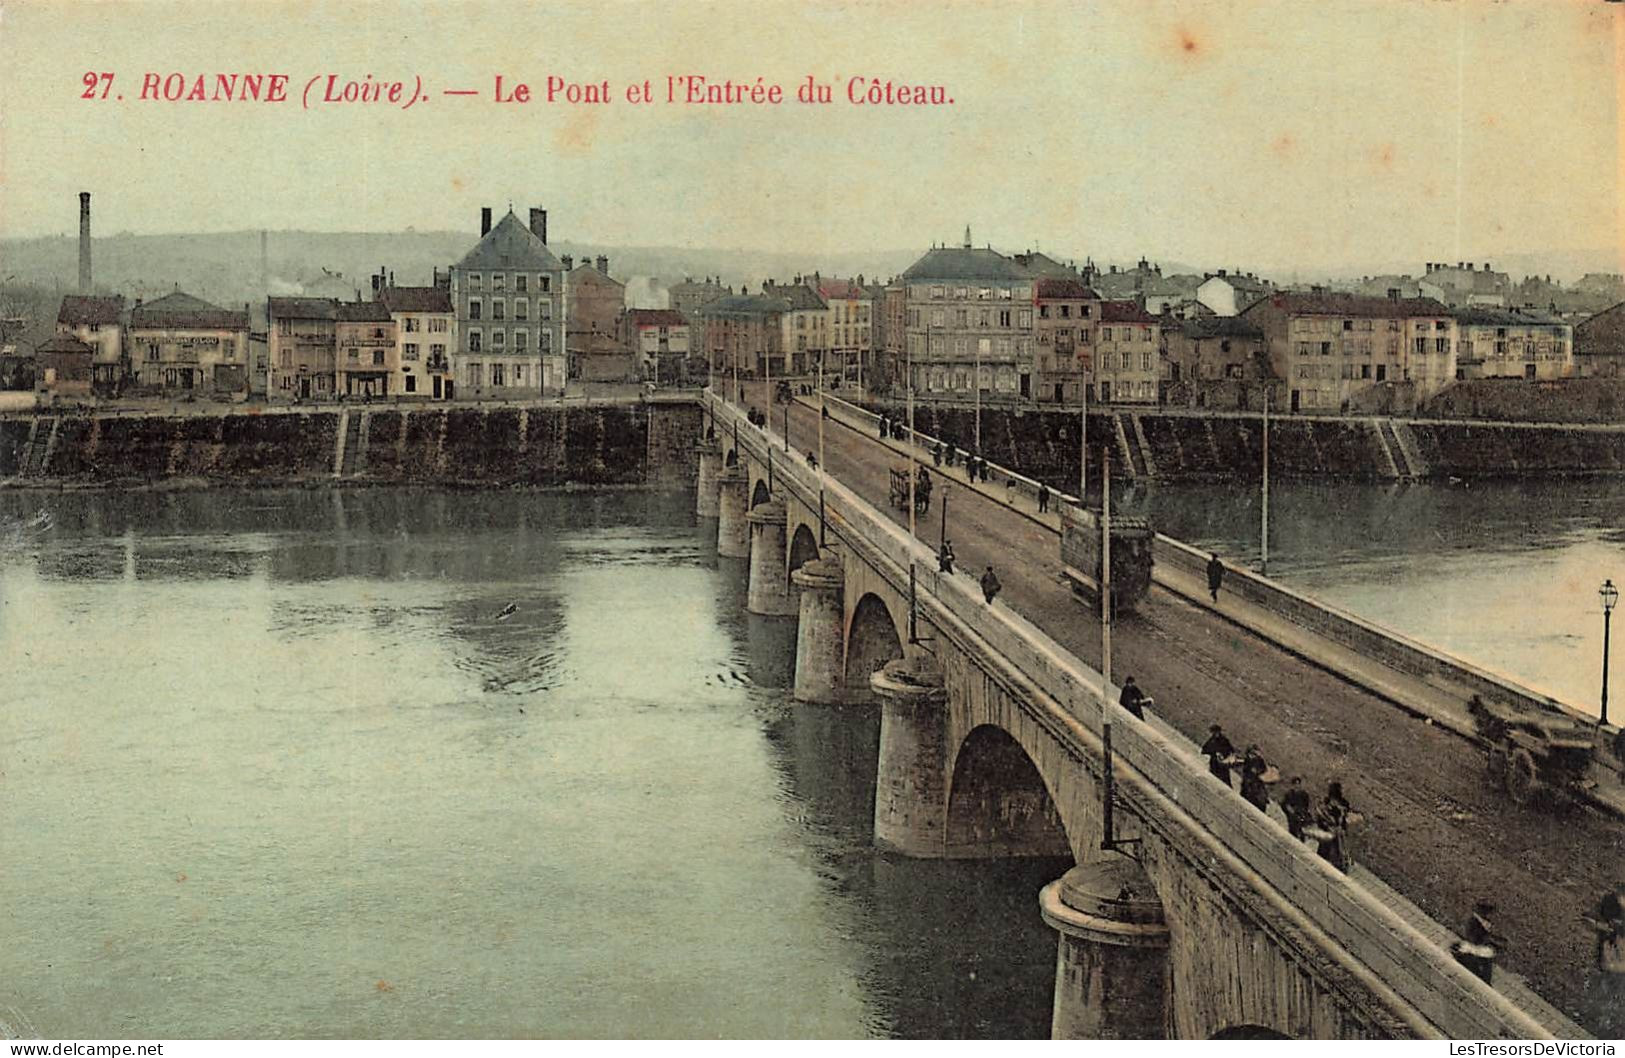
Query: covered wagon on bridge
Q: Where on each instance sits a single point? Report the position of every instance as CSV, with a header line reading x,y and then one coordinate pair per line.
x,y
1531,750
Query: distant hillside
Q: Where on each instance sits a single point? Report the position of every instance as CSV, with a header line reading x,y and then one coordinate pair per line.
x,y
225,267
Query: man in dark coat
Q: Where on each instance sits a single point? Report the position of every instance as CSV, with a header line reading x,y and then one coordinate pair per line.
x,y
1043,497
1215,576
945,557
1253,788
1133,699
883,430
1296,807
990,585
1477,948
1218,751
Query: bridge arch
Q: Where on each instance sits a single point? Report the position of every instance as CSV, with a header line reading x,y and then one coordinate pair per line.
x,y
871,641
998,803
803,547
760,494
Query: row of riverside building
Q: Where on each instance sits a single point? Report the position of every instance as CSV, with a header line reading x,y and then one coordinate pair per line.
x,y
509,320
513,320
971,322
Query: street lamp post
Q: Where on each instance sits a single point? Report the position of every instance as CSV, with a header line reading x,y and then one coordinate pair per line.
x,y
1264,529
1610,596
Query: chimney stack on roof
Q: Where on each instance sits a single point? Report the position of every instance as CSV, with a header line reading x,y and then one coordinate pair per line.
x,y
485,221
84,242
538,223
569,261
602,263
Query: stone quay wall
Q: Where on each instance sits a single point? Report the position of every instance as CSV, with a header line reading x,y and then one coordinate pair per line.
x,y
625,443
1171,444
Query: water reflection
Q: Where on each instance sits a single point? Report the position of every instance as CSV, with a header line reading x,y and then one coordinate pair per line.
x,y
415,762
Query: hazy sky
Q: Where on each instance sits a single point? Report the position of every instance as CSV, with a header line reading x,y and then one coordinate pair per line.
x,y
1248,132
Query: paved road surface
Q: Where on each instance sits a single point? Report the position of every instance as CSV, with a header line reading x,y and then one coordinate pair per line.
x,y
1436,831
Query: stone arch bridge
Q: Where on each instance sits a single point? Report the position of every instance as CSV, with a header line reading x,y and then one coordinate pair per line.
x,y
1203,920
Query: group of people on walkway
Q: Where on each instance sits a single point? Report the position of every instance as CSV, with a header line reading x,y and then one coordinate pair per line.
x,y
1327,824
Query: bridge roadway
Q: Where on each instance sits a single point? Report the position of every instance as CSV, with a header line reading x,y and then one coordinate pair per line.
x,y
1436,830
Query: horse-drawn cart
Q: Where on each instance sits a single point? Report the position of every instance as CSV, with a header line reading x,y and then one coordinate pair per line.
x,y
1531,750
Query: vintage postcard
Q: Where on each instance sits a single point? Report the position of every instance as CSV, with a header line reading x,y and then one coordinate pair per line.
x,y
811,520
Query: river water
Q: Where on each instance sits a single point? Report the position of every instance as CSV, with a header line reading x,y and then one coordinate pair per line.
x,y
1504,574
277,763
274,764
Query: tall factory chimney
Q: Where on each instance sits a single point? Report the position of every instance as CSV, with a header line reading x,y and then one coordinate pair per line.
x,y
485,221
84,242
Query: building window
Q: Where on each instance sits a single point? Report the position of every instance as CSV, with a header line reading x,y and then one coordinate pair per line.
x,y
474,309
520,283
519,340
936,317
411,383
499,339
437,325
378,357
519,374
543,283
355,356
499,309
437,352
411,351
498,375
474,281
475,375
474,342
521,309
1004,317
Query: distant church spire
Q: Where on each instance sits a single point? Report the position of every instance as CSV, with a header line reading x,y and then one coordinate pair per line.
x,y
967,236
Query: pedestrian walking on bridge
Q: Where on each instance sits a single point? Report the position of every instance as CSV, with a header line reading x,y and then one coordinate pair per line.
x,y
945,557
1215,576
1043,498
1479,943
1218,751
1332,822
1296,807
883,428
1254,790
990,585
1133,699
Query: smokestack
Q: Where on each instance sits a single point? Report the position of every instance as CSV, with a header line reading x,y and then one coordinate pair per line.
x,y
603,264
568,261
84,242
538,223
485,221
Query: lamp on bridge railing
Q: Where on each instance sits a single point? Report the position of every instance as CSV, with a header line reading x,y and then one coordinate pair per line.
x,y
1610,596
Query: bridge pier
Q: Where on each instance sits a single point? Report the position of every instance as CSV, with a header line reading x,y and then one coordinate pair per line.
x,y
820,652
770,593
911,780
1111,966
705,489
733,531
